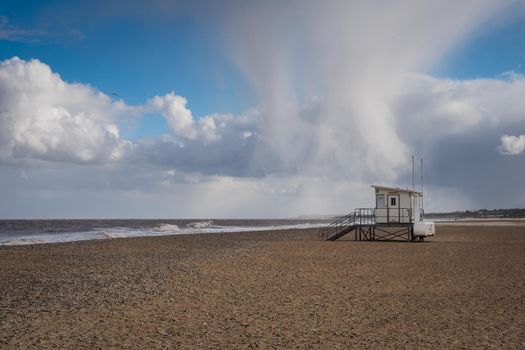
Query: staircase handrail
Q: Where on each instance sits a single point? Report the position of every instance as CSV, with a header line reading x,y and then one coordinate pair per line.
x,y
337,225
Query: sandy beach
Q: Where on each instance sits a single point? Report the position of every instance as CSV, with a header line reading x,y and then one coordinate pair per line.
x,y
465,288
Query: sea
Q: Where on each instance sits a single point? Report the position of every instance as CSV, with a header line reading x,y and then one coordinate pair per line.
x,y
22,232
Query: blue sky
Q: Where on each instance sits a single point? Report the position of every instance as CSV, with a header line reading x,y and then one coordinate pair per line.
x,y
487,54
271,102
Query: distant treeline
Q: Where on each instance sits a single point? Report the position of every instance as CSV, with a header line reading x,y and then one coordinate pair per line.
x,y
482,213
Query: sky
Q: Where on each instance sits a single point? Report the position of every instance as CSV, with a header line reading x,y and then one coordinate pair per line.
x,y
258,109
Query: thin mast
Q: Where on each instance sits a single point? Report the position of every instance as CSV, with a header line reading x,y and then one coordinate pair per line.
x,y
421,175
413,176
422,207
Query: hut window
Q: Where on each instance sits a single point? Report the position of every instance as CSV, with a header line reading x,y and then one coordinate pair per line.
x,y
393,201
380,200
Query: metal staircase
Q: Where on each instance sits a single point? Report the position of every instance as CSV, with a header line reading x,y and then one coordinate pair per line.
x,y
339,228
370,225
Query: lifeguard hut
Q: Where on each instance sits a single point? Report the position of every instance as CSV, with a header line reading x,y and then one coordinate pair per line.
x,y
398,215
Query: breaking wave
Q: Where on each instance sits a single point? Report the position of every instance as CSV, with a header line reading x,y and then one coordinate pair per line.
x,y
24,241
197,227
167,228
200,224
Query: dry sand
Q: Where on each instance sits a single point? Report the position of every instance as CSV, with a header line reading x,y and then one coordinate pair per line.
x,y
484,222
465,288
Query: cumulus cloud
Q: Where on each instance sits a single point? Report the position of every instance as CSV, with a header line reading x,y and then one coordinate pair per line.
x,y
512,145
437,108
43,117
180,119
222,144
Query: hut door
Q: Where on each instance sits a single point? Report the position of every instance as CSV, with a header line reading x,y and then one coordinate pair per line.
x,y
393,207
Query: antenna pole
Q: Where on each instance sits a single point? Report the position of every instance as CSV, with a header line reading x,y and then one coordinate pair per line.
x,y
413,176
422,183
421,175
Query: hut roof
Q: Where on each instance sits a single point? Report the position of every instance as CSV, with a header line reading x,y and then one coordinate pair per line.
x,y
396,189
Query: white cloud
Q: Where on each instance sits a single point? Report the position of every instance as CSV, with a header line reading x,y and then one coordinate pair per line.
x,y
222,144
178,117
512,145
355,57
435,108
43,117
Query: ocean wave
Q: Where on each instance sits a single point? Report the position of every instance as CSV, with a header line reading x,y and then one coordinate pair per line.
x,y
114,234
23,241
197,227
200,224
167,228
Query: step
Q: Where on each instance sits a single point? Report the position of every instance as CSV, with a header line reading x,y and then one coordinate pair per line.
x,y
341,233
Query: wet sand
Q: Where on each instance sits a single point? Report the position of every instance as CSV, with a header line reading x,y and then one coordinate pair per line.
x,y
465,288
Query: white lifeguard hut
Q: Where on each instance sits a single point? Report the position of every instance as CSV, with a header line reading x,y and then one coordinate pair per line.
x,y
397,205
398,215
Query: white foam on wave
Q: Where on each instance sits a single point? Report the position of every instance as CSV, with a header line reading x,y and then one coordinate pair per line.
x,y
167,228
23,241
113,234
200,224
48,238
160,230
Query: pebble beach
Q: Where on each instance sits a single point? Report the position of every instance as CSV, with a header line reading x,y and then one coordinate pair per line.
x,y
463,288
